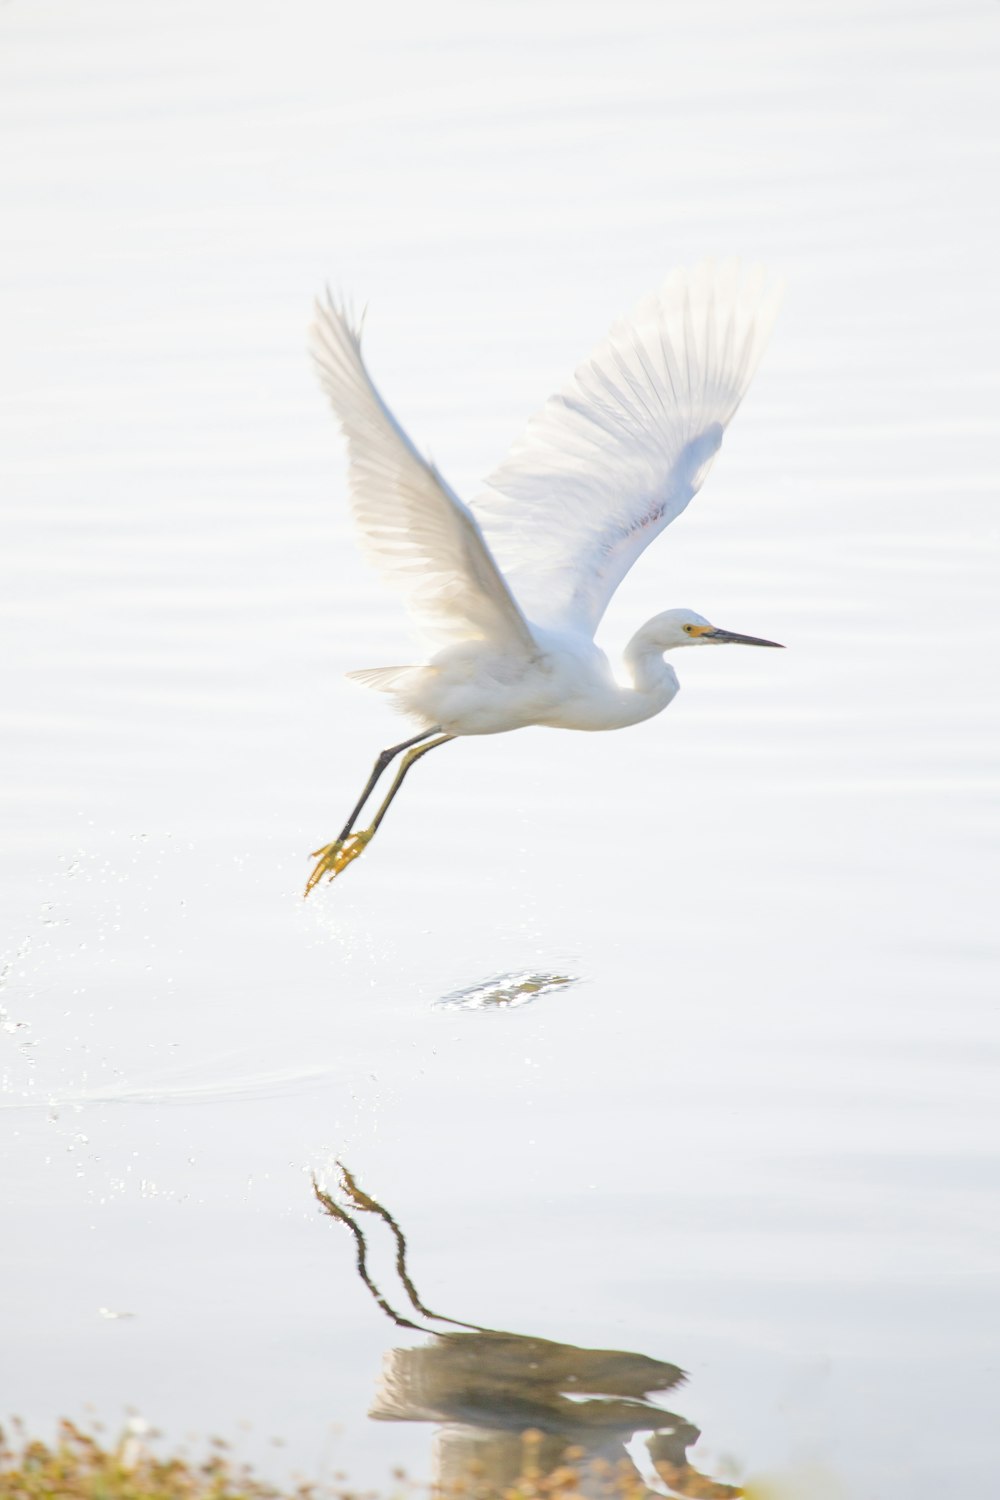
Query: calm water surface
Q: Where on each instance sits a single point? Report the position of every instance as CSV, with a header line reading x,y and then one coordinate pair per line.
x,y
756,1137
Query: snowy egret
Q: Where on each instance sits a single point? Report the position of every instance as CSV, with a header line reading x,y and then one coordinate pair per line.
x,y
510,590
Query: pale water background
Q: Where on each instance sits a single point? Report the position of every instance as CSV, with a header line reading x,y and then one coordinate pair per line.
x,y
759,1136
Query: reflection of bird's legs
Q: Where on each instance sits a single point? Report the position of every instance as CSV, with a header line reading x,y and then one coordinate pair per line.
x,y
369,1205
336,1212
335,857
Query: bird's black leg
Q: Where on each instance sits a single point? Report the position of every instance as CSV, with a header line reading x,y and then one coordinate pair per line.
x,y
409,759
384,759
333,858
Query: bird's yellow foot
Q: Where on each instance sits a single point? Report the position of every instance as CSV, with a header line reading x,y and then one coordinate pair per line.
x,y
333,858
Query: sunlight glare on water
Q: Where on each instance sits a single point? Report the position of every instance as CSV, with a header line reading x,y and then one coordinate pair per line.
x,y
756,1136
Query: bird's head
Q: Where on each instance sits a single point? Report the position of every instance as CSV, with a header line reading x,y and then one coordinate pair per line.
x,y
682,627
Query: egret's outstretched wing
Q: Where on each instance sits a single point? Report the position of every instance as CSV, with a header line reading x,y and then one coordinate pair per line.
x,y
616,456
426,542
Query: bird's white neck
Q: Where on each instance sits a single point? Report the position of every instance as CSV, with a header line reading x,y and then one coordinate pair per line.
x,y
652,679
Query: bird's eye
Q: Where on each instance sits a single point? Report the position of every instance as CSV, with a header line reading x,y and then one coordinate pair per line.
x,y
688,629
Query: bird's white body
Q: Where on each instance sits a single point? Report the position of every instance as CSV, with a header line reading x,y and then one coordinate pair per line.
x,y
472,688
509,590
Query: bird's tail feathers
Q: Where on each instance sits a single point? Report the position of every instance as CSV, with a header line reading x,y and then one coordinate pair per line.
x,y
382,679
402,684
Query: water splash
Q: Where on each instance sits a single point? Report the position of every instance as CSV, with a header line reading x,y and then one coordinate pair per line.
x,y
505,991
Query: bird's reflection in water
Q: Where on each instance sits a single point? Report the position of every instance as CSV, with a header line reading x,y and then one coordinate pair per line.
x,y
512,1406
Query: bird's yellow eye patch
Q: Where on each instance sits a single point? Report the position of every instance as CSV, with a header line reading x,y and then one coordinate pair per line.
x,y
697,629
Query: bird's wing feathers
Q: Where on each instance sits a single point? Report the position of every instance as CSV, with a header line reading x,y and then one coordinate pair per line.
x,y
426,542
611,460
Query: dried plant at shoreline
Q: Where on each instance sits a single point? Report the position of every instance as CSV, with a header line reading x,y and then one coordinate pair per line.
x,y
78,1465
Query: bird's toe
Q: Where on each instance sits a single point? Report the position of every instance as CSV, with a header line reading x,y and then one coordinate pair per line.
x,y
335,857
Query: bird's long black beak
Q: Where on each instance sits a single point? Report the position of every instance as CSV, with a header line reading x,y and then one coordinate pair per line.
x,y
739,640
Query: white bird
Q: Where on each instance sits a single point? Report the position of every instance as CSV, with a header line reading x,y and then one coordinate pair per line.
x,y
511,589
